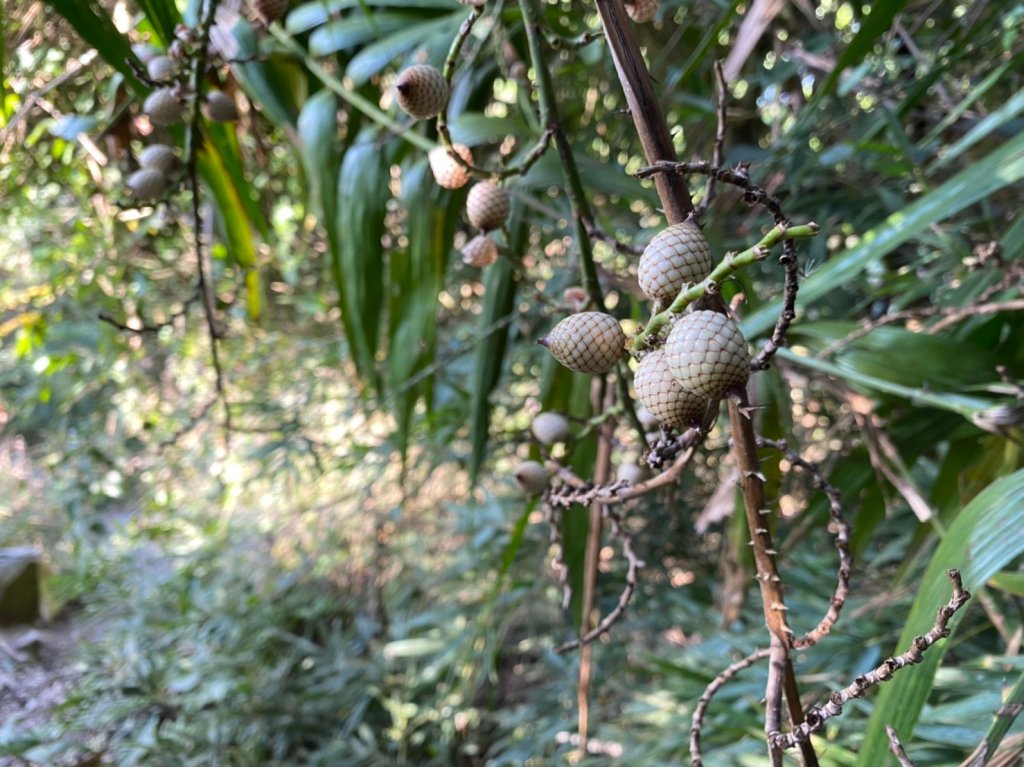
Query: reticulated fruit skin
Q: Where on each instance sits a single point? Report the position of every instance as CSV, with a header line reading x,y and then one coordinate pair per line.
x,y
163,107
587,342
662,395
147,184
421,91
159,157
488,206
480,251
161,68
551,428
708,354
674,258
220,107
642,11
532,477
448,172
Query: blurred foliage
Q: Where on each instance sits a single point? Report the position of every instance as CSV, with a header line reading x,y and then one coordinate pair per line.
x,y
349,577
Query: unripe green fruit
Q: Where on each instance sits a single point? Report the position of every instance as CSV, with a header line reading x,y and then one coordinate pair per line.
x,y
532,477
487,206
662,395
587,342
551,428
708,354
421,91
163,107
675,258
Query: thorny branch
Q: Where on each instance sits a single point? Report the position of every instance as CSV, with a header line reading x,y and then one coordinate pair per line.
x,y
896,747
843,532
697,721
819,715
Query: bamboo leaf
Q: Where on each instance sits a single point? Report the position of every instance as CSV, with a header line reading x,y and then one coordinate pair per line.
x,y
352,31
374,57
992,122
237,228
274,82
1001,168
163,16
871,28
357,255
94,25
978,545
499,302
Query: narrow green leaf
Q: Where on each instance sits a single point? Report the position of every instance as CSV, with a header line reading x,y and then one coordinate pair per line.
x,y
373,58
1011,583
357,254
871,28
275,83
163,16
221,140
1001,168
94,25
978,545
352,31
499,303
237,228
992,122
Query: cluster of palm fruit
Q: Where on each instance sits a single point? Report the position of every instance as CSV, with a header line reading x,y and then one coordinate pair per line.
x,y
168,103
703,359
422,93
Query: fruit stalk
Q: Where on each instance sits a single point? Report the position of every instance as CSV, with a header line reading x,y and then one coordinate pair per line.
x,y
675,198
732,263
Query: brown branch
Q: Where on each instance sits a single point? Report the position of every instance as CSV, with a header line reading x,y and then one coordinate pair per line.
x,y
644,107
818,716
896,747
843,532
148,327
697,721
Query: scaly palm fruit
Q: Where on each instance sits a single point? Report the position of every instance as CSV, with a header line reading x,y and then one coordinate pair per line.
x,y
219,107
674,258
662,395
487,206
708,354
532,477
159,157
550,428
587,342
163,107
480,251
448,172
147,184
161,68
421,91
642,11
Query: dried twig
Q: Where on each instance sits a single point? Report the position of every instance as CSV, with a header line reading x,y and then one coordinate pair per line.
x,y
697,721
896,747
843,532
151,327
719,149
819,715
